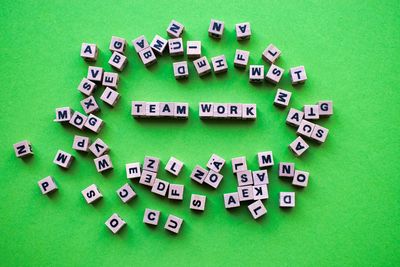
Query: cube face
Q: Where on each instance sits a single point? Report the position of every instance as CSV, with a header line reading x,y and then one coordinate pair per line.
x,y
86,86
298,146
110,79
220,110
282,98
244,178
219,64
23,149
63,114
175,29
319,133
81,143
175,46
91,194
181,110
63,159
147,56
117,44
287,199
206,110
298,75
305,128
241,58
158,44
249,111
98,147
243,31
151,217
256,73
245,193
216,29
231,200
152,109
235,111
133,170
265,159
325,108
147,178
151,164
198,174
173,224
103,163
174,166
138,109
78,120
94,123
175,191
160,187
167,109
257,209
89,52
300,178
286,169
271,53
274,74
193,49
239,164
118,61
47,185
294,117
202,66
115,223
140,43
110,96
181,69
215,163
198,202
260,177
95,74
311,112
89,105
126,193
213,179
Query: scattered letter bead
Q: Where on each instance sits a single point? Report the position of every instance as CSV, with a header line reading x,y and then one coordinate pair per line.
x,y
257,209
115,223
243,31
287,199
299,146
274,74
271,54
298,75
47,185
173,224
23,149
216,29
89,52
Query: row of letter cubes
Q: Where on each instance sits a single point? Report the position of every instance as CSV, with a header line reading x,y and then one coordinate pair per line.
x,y
206,110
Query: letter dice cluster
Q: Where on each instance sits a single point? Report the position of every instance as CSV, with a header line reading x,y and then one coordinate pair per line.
x,y
252,186
307,129
299,178
210,176
147,176
173,224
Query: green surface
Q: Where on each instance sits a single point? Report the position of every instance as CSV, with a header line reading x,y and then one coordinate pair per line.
x,y
348,215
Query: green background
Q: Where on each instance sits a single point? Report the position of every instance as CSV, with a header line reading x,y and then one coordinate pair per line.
x,y
348,215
